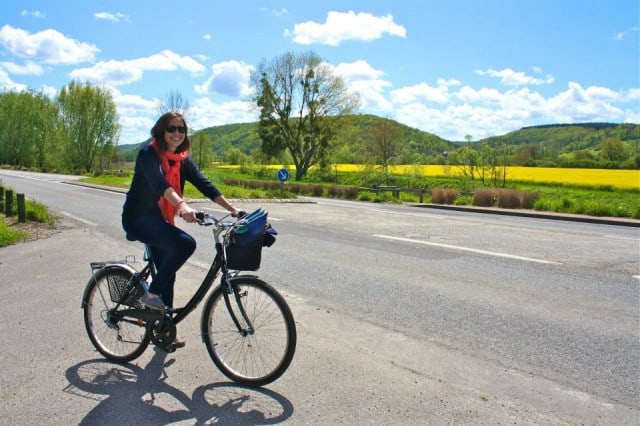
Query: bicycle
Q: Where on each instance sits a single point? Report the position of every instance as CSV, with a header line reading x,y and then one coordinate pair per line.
x,y
246,325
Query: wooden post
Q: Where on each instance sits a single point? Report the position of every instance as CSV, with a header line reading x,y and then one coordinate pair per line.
x,y
1,198
8,207
22,210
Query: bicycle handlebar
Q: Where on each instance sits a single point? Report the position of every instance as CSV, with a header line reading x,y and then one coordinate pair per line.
x,y
206,219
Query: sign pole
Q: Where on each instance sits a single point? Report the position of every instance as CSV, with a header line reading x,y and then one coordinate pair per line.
x,y
283,175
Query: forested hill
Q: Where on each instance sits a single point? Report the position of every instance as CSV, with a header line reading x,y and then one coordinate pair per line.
x,y
422,147
564,138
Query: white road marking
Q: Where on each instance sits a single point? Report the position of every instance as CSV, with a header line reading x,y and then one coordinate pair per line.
x,y
79,219
468,249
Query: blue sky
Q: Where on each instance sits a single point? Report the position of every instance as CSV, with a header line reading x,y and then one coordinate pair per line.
x,y
448,67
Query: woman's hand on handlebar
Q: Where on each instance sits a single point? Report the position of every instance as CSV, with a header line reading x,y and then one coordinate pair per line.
x,y
187,213
239,214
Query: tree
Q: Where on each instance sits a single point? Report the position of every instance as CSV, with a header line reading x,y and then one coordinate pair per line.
x,y
200,149
172,102
466,160
26,129
90,122
613,149
300,101
383,141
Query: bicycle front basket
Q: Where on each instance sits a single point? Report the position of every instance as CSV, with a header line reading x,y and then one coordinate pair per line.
x,y
244,250
244,257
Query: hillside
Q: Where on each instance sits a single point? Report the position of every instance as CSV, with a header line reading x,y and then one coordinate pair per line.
x,y
548,141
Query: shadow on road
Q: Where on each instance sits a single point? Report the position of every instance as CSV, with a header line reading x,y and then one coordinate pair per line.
x,y
129,394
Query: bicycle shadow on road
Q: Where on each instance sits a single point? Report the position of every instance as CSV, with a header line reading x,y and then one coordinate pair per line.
x,y
129,394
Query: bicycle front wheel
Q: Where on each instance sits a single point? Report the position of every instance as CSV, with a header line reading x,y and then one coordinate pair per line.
x,y
257,350
117,340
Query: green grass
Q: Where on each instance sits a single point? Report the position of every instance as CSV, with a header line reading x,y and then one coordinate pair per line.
x,y
9,235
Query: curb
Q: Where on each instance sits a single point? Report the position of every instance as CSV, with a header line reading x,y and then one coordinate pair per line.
x,y
538,215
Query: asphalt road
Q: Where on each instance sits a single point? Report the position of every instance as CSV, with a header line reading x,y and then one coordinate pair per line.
x,y
406,315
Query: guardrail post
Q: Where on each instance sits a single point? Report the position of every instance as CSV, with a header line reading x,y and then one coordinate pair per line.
x,y
1,197
8,206
22,211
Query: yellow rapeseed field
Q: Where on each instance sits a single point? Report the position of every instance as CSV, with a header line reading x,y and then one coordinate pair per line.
x,y
626,179
623,179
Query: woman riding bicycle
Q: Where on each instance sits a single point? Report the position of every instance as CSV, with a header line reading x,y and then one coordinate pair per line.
x,y
154,199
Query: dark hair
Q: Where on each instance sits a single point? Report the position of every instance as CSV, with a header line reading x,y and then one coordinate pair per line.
x,y
157,131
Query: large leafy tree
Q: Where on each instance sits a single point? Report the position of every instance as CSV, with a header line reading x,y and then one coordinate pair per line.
x,y
300,101
89,120
26,129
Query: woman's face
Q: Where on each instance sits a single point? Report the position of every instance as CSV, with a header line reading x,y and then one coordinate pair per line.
x,y
174,134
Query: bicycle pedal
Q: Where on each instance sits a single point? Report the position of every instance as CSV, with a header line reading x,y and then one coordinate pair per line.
x,y
171,348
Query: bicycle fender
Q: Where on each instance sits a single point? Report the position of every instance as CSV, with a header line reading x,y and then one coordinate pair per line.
x,y
103,267
236,277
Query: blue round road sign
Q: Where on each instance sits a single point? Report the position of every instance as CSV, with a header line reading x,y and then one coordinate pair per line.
x,y
283,174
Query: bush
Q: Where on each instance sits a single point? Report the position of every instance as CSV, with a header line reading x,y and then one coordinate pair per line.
x,y
444,195
505,198
484,198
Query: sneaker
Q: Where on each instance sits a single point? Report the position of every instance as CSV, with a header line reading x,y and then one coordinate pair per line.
x,y
152,301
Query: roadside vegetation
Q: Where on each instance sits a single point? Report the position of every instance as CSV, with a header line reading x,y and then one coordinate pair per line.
x,y
260,182
12,231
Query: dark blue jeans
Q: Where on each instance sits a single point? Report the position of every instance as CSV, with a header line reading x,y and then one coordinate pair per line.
x,y
170,248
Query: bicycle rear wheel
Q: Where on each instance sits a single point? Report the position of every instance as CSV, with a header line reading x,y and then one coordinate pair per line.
x,y
117,340
257,354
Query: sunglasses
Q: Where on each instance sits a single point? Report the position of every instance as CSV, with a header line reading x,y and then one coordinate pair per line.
x,y
171,128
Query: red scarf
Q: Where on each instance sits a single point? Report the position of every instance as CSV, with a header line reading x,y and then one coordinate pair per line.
x,y
172,175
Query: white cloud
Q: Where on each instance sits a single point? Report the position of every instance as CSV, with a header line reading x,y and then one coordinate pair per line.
x,y
205,113
7,84
116,73
363,79
275,12
508,77
623,34
35,13
341,26
112,73
421,93
113,17
168,61
49,91
484,112
47,47
577,104
229,78
358,70
29,68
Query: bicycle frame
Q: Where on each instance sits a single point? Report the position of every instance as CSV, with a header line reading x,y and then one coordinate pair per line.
x,y
218,264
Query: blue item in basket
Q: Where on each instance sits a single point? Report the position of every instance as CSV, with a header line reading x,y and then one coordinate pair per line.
x,y
253,229
244,250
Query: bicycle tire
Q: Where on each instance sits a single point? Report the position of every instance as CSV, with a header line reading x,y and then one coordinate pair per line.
x,y
120,341
253,359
